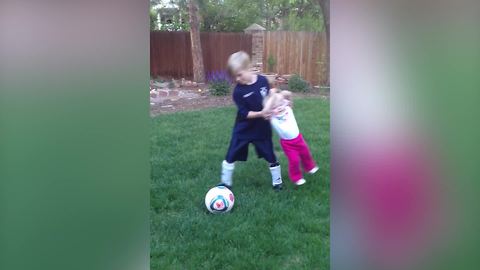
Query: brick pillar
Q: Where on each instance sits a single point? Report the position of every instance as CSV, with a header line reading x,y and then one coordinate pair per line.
x,y
257,33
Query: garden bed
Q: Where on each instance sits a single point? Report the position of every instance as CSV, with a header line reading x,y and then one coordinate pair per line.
x,y
167,96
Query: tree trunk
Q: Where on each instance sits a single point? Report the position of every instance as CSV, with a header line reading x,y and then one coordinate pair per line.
x,y
325,5
198,69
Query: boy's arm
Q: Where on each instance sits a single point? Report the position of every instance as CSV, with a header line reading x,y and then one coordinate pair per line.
x,y
252,114
243,110
268,106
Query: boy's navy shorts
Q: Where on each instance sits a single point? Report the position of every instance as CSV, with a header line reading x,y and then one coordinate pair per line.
x,y
238,150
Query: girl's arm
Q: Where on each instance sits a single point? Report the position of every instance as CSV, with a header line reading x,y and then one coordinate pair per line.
x,y
286,94
268,106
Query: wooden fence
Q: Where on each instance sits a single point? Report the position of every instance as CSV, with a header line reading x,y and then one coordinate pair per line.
x,y
296,52
170,52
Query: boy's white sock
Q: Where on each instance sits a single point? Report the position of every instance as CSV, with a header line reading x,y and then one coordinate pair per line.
x,y
227,172
276,175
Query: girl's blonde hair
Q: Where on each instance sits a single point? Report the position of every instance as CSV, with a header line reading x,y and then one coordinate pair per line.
x,y
275,98
237,62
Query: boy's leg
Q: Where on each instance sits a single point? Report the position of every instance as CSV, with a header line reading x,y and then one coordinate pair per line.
x,y
276,173
227,172
293,156
308,162
264,150
238,150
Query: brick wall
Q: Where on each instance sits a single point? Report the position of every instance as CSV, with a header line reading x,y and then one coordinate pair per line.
x,y
257,47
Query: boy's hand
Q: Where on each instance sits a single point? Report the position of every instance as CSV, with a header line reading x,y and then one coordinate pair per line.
x,y
266,114
260,114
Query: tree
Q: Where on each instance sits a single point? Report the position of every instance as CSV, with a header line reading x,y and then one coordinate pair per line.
x,y
325,4
198,68
236,15
153,19
229,15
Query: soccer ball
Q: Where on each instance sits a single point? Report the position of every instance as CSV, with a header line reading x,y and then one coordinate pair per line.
x,y
219,200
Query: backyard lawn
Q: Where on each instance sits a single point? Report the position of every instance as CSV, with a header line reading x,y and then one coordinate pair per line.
x,y
265,230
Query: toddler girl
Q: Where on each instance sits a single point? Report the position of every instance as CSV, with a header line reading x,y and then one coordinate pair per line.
x,y
278,107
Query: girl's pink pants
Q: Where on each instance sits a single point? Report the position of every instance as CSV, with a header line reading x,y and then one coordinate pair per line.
x,y
297,152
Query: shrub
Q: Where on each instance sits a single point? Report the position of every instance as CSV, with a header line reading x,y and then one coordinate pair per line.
x,y
219,83
271,61
171,84
298,84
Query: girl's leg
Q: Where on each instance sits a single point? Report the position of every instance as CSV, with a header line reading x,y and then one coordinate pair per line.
x,y
294,171
309,164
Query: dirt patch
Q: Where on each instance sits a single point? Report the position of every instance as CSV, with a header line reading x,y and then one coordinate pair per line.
x,y
165,100
203,102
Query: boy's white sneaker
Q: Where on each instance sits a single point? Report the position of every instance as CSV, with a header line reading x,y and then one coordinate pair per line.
x,y
314,170
300,182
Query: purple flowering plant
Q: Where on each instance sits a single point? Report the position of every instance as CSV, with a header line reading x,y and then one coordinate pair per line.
x,y
219,82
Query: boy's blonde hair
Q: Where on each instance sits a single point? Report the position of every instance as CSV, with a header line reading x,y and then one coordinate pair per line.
x,y
237,62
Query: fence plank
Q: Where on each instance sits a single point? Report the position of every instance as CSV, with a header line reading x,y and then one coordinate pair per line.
x,y
170,52
296,52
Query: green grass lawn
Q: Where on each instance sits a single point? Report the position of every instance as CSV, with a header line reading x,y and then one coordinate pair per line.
x,y
265,230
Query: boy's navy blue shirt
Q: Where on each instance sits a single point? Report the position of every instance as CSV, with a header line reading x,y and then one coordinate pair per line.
x,y
250,98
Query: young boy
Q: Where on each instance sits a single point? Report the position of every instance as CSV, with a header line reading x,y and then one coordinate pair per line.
x,y
251,125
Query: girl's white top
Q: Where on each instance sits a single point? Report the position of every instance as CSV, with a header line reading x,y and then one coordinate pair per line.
x,y
284,123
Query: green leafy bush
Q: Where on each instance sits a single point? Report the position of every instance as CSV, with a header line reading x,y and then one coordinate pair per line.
x,y
271,61
219,82
171,84
220,88
297,84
